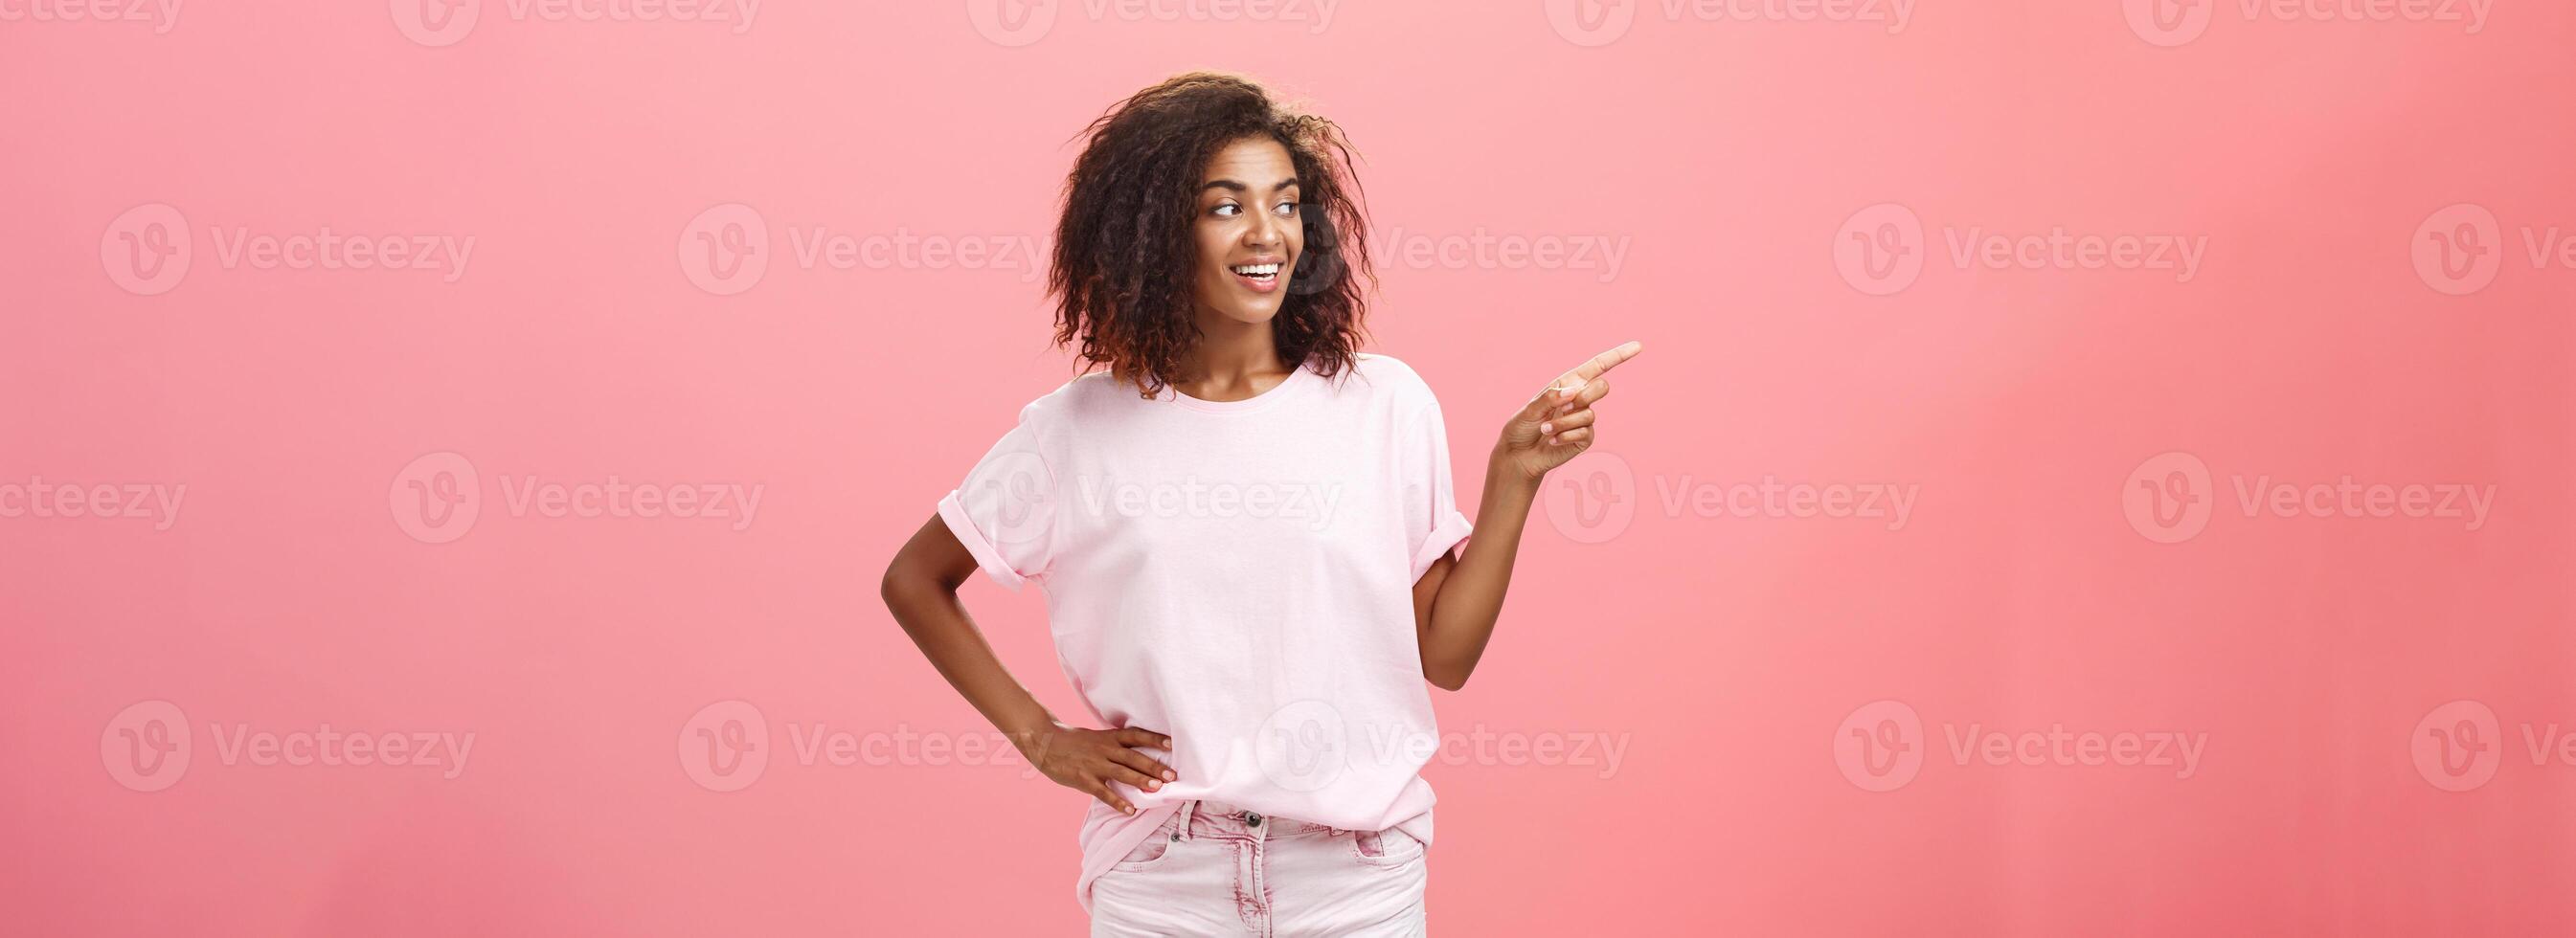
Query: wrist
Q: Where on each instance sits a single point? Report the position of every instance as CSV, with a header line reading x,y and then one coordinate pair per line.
x,y
1501,469
1028,740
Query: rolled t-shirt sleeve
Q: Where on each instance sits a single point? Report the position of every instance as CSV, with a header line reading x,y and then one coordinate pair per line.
x,y
1004,512
1432,522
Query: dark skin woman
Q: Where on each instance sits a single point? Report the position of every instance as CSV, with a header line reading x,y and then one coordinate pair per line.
x,y
1210,265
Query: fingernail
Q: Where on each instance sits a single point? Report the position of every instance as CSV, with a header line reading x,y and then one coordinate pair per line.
x,y
1168,776
1548,427
1152,785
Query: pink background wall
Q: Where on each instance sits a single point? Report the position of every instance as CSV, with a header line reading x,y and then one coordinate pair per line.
x,y
2337,718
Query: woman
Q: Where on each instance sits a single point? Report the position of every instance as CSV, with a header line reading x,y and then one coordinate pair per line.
x,y
1244,526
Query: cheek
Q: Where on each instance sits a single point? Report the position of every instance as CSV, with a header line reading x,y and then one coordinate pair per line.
x,y
1215,244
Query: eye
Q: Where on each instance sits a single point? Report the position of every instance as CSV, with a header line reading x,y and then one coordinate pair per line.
x,y
1287,209
1226,210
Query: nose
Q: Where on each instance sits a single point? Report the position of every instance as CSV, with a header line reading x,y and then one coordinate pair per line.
x,y
1268,231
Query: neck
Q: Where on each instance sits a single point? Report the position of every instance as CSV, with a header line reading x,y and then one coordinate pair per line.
x,y
1233,359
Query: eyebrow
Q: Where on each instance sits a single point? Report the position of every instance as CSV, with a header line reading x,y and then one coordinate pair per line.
x,y
1233,186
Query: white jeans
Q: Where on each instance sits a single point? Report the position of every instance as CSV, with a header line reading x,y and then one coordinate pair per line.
x,y
1217,869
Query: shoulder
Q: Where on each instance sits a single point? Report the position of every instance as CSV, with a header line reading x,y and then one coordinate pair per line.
x,y
1072,401
1388,378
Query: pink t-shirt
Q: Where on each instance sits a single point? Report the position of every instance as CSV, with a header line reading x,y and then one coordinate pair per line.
x,y
1237,575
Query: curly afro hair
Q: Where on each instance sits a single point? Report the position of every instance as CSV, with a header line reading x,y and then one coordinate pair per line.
x,y
1124,257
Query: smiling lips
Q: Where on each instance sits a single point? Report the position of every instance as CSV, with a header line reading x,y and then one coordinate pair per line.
x,y
1260,278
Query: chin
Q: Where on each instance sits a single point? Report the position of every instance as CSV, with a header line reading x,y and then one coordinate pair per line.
x,y
1250,314
1256,314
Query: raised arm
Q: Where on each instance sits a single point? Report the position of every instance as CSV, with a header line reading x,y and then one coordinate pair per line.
x,y
1457,601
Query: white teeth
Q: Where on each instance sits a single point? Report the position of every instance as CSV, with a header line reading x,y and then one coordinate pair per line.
x,y
1257,270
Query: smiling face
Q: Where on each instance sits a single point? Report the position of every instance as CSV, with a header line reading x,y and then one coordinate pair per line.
x,y
1247,231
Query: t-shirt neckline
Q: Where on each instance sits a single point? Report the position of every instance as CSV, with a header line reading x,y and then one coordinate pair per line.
x,y
1263,399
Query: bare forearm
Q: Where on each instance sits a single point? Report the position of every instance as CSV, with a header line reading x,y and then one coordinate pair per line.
x,y
931,613
1470,600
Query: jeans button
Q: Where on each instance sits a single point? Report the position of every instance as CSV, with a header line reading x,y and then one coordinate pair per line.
x,y
1252,819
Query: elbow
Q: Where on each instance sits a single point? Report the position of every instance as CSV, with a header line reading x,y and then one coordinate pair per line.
x,y
908,583
1446,679
899,581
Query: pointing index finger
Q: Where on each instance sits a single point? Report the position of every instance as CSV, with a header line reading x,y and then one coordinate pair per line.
x,y
1599,365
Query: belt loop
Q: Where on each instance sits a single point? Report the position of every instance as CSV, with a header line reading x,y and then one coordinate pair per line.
x,y
1182,824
